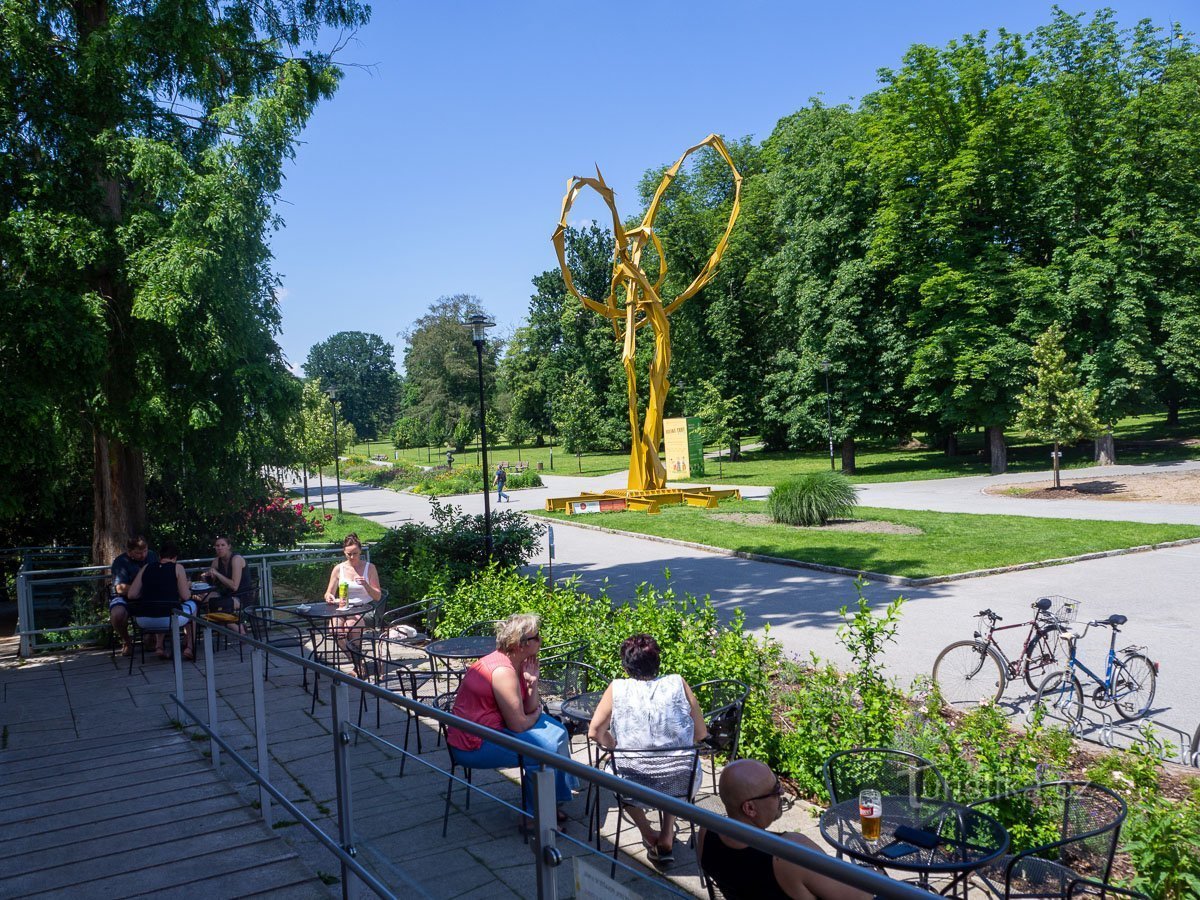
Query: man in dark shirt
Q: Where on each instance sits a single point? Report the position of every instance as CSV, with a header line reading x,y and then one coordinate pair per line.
x,y
752,794
124,569
158,589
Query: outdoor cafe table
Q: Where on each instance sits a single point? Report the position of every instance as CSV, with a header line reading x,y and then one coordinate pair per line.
x,y
967,838
581,707
320,616
458,648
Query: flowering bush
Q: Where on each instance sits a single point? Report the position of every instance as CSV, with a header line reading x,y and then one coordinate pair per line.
x,y
277,523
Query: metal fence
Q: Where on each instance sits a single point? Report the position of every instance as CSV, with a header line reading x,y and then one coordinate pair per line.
x,y
59,607
349,839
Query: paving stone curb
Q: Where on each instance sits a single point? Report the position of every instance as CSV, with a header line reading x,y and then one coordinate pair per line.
x,y
897,580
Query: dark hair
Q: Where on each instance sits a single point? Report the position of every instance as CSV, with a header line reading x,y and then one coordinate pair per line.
x,y
640,656
349,539
136,542
168,550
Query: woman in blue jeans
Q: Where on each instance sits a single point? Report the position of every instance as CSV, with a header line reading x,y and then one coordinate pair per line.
x,y
501,691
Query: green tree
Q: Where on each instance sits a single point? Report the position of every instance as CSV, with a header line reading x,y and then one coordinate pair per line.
x,y
832,303
310,432
363,369
408,431
1055,406
441,370
575,417
719,415
141,153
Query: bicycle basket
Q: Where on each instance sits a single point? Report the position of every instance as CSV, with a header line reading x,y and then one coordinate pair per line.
x,y
1064,609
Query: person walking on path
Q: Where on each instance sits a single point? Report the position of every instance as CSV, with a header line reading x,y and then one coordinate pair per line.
x,y
500,480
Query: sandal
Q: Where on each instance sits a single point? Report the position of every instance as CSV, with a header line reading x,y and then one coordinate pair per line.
x,y
127,650
657,855
189,655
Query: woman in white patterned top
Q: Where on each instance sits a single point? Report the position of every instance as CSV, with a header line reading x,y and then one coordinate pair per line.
x,y
646,712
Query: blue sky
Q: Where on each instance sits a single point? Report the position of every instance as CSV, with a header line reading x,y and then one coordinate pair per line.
x,y
440,169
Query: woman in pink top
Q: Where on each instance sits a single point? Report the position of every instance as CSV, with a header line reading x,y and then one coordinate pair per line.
x,y
501,691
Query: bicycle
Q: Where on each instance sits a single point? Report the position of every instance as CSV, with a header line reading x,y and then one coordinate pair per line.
x,y
1128,683
978,671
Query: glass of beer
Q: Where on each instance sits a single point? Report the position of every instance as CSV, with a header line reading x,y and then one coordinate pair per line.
x,y
343,592
870,815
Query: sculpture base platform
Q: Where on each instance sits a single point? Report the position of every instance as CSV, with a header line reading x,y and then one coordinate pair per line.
x,y
651,502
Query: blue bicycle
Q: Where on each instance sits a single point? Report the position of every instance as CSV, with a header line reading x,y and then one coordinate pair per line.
x,y
1128,684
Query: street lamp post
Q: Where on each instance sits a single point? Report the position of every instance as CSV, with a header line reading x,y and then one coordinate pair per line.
x,y
337,463
550,419
479,324
828,410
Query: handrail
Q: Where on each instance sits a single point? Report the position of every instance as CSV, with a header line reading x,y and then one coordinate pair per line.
x,y
844,872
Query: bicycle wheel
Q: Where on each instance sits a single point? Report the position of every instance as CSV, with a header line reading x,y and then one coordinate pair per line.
x,y
1194,759
1061,695
1133,684
969,672
1042,657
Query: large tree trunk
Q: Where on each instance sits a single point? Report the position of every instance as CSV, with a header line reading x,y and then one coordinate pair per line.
x,y
1172,410
997,449
118,497
1106,449
848,455
304,469
952,444
735,449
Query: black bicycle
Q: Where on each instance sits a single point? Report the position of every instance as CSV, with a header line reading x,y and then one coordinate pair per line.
x,y
1129,681
978,670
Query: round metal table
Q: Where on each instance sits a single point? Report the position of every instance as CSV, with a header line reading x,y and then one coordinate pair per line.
x,y
581,707
457,648
964,838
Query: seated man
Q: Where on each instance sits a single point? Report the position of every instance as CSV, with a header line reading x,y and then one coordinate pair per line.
x,y
124,569
156,590
753,795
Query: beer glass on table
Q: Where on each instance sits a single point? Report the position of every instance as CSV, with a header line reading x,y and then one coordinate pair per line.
x,y
870,815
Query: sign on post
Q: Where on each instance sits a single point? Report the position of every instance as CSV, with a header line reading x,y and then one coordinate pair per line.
x,y
683,446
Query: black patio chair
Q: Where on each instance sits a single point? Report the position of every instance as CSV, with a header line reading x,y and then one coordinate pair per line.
x,y
412,623
893,772
380,661
724,703
1085,819
234,617
149,609
674,771
279,629
445,702
1086,887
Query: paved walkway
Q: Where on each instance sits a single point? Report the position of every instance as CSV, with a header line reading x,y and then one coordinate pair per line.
x,y
103,797
1156,590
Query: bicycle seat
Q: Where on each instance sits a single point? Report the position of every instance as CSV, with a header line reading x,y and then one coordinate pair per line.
x,y
1113,621
1043,604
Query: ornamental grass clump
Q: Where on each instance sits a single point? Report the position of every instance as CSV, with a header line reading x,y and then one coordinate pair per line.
x,y
812,499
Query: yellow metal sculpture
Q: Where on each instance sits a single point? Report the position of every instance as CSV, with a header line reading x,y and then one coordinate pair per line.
x,y
641,304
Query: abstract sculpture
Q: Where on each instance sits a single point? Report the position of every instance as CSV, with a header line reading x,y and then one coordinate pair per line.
x,y
642,305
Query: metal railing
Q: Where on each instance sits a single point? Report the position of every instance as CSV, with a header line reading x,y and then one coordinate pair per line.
x,y
50,593
546,854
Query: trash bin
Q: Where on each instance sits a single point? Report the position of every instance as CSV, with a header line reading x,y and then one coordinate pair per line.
x,y
539,467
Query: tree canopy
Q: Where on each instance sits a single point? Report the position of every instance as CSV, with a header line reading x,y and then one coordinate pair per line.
x,y
141,152
361,367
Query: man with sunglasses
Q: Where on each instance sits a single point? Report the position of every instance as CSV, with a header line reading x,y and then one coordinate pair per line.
x,y
752,794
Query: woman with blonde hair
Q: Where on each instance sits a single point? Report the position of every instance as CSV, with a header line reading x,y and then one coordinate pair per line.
x,y
500,691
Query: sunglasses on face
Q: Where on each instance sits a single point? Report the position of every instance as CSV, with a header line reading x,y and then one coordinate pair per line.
x,y
785,801
531,637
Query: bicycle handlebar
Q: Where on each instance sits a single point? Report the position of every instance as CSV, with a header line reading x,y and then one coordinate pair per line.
x,y
991,615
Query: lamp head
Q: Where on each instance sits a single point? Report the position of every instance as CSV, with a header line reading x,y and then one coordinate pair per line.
x,y
331,392
823,365
479,324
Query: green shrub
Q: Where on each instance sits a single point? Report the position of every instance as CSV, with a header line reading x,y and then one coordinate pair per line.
x,y
468,479
415,560
812,499
1162,839
695,643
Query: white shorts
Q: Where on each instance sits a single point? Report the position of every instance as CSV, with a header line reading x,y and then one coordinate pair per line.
x,y
163,623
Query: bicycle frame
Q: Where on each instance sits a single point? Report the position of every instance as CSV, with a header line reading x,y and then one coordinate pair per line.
x,y
1013,667
1074,663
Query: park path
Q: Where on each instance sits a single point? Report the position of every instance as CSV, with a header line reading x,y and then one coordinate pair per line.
x,y
1156,590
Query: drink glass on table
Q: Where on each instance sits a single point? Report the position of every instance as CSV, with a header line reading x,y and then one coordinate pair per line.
x,y
343,592
870,815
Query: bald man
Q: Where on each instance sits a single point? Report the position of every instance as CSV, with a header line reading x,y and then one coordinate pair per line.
x,y
753,795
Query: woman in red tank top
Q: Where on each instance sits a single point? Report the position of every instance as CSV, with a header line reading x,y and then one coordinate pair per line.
x,y
501,691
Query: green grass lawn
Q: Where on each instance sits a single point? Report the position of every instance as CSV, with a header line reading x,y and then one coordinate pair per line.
x,y
342,524
1140,439
949,542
